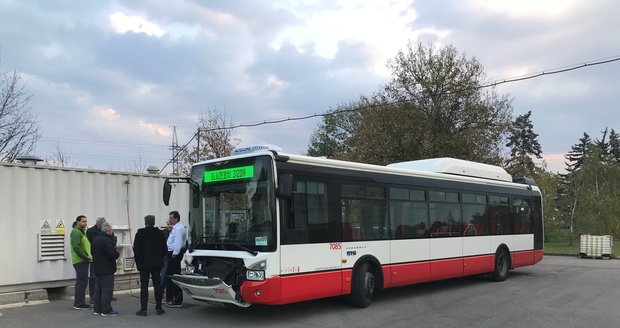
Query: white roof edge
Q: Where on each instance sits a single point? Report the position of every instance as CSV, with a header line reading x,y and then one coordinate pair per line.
x,y
455,166
399,170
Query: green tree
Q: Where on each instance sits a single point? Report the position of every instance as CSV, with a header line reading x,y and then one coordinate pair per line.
x,y
332,138
548,184
434,106
599,195
523,144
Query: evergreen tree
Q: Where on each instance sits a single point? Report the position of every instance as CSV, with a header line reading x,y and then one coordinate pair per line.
x,y
570,184
577,154
523,144
614,145
603,145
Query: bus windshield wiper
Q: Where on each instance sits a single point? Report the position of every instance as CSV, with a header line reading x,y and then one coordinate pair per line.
x,y
251,251
205,241
218,240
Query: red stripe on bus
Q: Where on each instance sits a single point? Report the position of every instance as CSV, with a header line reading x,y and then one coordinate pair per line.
x,y
303,287
519,259
478,264
262,292
297,288
409,273
538,255
446,269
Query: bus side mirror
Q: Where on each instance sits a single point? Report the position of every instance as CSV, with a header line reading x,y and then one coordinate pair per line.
x,y
167,190
195,196
285,186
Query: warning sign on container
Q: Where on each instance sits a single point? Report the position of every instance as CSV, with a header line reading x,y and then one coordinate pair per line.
x,y
60,227
46,229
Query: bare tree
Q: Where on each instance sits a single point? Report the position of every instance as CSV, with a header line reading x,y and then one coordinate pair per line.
x,y
19,129
59,158
139,165
214,140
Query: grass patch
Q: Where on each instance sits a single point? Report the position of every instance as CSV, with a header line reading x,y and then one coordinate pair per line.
x,y
562,247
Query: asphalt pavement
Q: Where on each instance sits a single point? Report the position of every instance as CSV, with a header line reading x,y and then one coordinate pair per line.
x,y
557,292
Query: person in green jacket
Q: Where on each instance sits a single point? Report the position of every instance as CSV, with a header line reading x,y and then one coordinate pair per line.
x,y
81,258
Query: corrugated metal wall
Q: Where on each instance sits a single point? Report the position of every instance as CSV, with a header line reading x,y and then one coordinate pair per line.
x,y
31,194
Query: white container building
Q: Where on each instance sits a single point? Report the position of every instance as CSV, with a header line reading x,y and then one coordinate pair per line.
x,y
38,205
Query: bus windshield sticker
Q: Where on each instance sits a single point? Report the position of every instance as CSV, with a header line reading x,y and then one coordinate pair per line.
x,y
260,241
233,173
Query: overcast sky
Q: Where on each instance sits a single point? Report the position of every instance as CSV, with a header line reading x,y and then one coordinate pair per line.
x,y
110,79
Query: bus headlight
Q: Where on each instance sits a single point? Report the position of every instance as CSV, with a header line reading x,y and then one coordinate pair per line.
x,y
256,275
256,271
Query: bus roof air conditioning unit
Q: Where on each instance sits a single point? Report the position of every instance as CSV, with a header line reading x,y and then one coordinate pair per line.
x,y
455,166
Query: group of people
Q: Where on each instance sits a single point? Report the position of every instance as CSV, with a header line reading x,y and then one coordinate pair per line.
x,y
157,254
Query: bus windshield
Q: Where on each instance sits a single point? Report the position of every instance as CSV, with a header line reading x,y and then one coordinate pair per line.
x,y
236,209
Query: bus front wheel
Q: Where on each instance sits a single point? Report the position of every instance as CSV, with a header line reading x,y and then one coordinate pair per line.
x,y
502,265
363,285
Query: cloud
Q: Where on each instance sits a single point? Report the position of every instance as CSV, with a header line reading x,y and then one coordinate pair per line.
x,y
128,71
108,113
159,129
122,24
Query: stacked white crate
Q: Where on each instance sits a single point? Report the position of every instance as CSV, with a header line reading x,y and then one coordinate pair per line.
x,y
596,246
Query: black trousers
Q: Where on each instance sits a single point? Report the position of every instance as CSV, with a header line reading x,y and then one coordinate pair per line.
x,y
104,288
153,273
173,292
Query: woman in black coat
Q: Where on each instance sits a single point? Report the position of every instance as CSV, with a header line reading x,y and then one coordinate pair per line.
x,y
104,261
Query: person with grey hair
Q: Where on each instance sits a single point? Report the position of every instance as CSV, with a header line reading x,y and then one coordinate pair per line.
x,y
91,233
149,248
104,260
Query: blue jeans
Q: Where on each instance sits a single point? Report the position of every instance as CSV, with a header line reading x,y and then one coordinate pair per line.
x,y
162,274
103,293
81,280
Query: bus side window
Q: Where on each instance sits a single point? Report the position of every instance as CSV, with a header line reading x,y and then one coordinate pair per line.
x,y
309,221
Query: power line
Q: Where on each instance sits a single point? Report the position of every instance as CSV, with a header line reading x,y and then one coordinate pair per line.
x,y
493,84
557,71
90,142
510,80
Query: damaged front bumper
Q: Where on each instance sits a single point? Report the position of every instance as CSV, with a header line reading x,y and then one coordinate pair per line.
x,y
208,289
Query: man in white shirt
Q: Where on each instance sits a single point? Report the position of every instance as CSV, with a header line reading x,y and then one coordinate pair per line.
x,y
176,248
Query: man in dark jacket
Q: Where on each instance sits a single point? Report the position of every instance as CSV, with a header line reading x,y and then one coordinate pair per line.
x,y
90,234
149,249
104,260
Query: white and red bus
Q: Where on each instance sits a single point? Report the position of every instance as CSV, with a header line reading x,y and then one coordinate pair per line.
x,y
271,228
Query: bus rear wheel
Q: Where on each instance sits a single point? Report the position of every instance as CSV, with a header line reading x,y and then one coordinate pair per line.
x,y
363,286
502,265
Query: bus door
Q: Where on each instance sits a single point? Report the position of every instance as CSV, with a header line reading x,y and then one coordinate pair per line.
x,y
311,249
365,229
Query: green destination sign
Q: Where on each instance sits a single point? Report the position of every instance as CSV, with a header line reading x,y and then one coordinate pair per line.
x,y
234,173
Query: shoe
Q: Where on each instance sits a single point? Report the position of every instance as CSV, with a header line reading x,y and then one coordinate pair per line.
x,y
174,305
141,313
82,307
97,313
160,311
110,314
